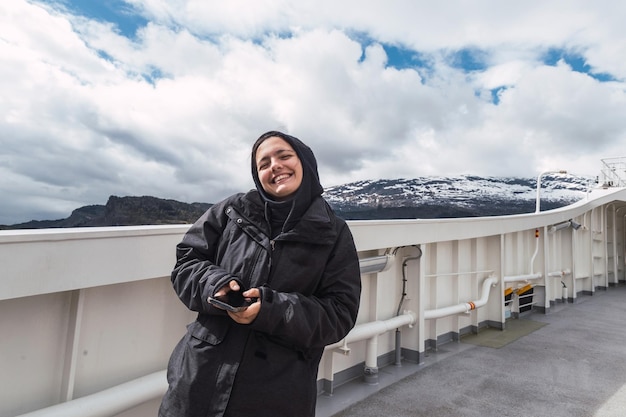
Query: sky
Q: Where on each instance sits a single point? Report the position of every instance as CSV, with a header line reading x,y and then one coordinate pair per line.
x,y
165,98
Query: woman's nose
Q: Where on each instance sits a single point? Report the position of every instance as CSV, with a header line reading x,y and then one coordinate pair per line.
x,y
276,164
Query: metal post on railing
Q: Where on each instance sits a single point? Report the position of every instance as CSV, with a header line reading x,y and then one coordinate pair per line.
x,y
538,202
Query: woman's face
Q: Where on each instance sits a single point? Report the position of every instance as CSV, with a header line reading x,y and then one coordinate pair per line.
x,y
278,167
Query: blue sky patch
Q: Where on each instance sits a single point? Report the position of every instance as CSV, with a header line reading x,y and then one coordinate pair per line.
x,y
398,56
576,61
153,76
118,12
495,94
469,59
403,58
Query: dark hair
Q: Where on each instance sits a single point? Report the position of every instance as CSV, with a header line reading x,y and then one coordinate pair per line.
x,y
261,139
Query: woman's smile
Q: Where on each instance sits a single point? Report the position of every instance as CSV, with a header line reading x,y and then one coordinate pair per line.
x,y
281,178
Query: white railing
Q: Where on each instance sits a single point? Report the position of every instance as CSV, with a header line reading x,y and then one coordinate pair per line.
x,y
613,172
89,313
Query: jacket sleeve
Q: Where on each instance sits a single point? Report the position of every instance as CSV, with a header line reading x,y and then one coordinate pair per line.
x,y
196,276
324,317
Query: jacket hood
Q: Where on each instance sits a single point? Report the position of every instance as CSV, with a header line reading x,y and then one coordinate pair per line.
x,y
289,212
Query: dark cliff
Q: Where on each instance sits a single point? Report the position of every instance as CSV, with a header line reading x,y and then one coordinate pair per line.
x,y
125,211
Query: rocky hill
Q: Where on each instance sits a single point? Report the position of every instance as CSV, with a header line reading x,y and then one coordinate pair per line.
x,y
425,198
125,211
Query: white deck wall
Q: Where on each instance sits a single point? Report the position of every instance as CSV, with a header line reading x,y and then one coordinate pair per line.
x,y
84,310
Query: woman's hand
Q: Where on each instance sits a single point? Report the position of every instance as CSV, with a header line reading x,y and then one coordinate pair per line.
x,y
248,315
232,286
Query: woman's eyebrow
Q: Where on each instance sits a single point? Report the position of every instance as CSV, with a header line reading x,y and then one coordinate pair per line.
x,y
277,152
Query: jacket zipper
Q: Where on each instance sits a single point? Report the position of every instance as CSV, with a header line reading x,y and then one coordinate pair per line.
x,y
272,246
272,254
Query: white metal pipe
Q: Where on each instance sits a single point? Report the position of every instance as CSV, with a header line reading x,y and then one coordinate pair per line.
x,y
560,274
487,284
528,277
463,307
111,401
560,226
454,274
538,199
447,311
376,264
371,352
368,330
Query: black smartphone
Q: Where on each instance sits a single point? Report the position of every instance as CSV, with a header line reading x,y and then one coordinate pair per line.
x,y
233,301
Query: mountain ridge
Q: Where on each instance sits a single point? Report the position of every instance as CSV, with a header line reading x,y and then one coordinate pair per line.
x,y
456,196
421,197
123,211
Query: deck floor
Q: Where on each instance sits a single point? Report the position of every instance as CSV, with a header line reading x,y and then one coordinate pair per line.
x,y
573,366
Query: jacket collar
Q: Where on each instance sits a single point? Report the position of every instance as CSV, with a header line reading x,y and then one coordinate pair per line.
x,y
315,226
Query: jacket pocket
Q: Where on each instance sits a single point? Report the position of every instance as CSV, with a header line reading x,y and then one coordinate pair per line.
x,y
211,329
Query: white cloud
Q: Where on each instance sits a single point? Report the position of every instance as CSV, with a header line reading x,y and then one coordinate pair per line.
x,y
173,110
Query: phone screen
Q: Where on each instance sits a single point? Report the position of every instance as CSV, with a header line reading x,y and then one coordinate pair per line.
x,y
226,306
232,301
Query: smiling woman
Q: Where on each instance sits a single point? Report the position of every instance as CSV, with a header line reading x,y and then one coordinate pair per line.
x,y
293,264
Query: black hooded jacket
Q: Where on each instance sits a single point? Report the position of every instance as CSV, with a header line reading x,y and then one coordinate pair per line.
x,y
310,286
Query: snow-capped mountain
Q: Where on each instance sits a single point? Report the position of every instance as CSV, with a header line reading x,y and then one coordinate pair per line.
x,y
418,198
461,196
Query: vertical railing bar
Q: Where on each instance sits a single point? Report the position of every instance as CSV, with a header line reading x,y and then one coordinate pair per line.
x,y
73,339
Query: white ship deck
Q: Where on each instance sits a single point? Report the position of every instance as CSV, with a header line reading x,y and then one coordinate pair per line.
x,y
572,366
89,317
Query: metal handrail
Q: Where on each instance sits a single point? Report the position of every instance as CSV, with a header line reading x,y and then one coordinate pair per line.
x,y
613,172
109,402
